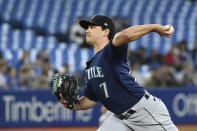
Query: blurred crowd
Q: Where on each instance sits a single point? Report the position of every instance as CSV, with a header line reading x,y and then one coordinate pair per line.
x,y
177,68
26,75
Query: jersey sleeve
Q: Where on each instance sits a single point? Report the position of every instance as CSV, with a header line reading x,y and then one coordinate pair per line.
x,y
119,53
89,94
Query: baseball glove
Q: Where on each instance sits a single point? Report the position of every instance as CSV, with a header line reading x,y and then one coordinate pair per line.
x,y
68,87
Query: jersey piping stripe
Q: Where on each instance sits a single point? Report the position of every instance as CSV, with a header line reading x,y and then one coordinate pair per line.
x,y
155,119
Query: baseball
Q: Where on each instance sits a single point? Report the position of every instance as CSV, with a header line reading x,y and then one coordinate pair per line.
x,y
171,29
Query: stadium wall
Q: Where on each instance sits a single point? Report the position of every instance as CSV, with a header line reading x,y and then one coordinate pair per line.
x,y
41,109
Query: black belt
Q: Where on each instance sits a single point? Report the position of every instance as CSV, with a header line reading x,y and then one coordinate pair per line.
x,y
130,111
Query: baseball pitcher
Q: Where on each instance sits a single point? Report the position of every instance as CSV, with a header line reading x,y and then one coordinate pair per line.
x,y
108,80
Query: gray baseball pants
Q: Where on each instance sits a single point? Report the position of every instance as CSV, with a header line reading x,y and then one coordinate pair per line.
x,y
150,115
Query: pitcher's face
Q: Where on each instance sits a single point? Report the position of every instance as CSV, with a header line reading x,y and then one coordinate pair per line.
x,y
93,33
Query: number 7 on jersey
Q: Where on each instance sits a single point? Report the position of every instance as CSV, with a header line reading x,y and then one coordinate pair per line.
x,y
104,86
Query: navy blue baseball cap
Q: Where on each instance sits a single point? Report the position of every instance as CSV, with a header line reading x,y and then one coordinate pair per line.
x,y
99,20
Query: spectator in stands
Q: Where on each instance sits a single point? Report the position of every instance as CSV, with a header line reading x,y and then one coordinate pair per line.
x,y
155,58
167,75
141,57
184,52
155,79
27,77
125,23
173,56
24,60
42,61
189,75
13,79
194,55
42,82
162,76
3,78
37,65
131,56
47,67
168,80
77,33
43,54
178,75
117,23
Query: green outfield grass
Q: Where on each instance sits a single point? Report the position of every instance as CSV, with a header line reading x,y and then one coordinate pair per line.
x,y
188,130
